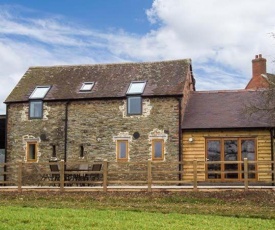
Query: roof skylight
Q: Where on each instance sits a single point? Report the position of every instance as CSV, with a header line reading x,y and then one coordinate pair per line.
x,y
136,87
87,86
39,92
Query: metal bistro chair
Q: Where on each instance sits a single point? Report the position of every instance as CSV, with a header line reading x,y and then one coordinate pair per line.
x,y
55,172
42,175
82,176
96,168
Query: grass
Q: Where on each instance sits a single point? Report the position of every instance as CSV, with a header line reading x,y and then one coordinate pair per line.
x,y
124,210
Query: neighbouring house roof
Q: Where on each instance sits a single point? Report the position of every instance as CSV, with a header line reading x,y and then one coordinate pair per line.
x,y
259,82
271,77
225,109
110,80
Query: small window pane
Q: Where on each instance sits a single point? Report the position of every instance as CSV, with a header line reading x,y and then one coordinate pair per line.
x,y
158,149
248,151
231,154
136,88
81,151
87,86
36,108
213,154
54,151
122,150
134,105
31,152
213,150
40,92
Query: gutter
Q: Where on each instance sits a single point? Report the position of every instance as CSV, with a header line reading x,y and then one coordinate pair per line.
x,y
272,137
180,138
66,131
6,140
97,98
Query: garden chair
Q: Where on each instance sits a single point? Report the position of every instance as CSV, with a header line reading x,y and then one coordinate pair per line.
x,y
96,168
41,175
55,172
82,176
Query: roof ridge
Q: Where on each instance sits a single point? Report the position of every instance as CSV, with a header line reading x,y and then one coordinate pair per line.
x,y
188,60
226,91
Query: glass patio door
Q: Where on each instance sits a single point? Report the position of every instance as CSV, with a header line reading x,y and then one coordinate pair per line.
x,y
224,158
231,154
248,151
213,154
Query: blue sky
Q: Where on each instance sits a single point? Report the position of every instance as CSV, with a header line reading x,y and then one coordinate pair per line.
x,y
98,14
220,36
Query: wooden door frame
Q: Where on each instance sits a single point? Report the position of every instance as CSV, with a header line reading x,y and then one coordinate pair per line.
x,y
222,158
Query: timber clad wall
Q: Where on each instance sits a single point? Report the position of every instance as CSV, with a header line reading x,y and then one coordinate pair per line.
x,y
95,125
197,148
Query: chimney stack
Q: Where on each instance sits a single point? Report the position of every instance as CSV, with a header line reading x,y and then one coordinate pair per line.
x,y
258,66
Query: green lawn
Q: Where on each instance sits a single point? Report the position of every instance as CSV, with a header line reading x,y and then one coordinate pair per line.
x,y
187,210
64,218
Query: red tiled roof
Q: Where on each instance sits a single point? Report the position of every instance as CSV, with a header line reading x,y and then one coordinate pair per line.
x,y
111,80
225,109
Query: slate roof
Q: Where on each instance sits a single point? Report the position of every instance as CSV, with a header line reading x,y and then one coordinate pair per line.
x,y
111,80
225,109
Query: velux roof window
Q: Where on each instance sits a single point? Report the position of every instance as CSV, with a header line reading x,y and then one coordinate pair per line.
x,y
36,103
40,92
134,100
136,87
86,86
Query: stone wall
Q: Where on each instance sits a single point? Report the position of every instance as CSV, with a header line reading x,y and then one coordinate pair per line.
x,y
47,132
2,160
95,125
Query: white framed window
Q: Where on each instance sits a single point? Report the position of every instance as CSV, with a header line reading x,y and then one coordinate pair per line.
x,y
40,92
86,86
136,87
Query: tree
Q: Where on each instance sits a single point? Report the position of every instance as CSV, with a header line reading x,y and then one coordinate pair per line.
x,y
263,105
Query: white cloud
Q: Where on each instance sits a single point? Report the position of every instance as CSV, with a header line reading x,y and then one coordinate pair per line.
x,y
226,33
220,36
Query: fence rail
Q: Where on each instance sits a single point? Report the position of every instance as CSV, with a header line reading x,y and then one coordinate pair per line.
x,y
147,174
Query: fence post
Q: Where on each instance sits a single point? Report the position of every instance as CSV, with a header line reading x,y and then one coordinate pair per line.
x,y
105,175
149,175
195,175
62,173
19,185
245,174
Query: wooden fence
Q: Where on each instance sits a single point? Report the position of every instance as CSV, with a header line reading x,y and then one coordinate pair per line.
x,y
153,175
